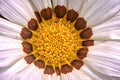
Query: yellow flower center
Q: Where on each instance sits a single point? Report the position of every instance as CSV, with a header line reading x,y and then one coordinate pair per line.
x,y
55,42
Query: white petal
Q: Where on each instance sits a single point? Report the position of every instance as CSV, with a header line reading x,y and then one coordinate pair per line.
x,y
106,58
39,74
60,2
41,4
30,73
104,68
46,77
98,74
64,77
96,42
109,30
9,29
16,68
18,11
98,11
55,77
7,43
32,5
87,71
10,26
71,76
9,57
81,75
118,14
9,34
75,4
58,77
29,7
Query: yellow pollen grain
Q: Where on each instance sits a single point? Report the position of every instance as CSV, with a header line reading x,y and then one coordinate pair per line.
x,y
55,42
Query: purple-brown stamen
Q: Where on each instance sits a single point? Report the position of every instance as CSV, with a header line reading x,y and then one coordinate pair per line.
x,y
77,64
29,59
38,16
86,34
72,15
80,24
40,63
82,53
60,11
25,33
88,43
46,13
66,69
33,24
57,71
49,70
27,47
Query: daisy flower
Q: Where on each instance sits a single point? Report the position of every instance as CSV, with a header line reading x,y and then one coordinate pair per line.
x,y
60,40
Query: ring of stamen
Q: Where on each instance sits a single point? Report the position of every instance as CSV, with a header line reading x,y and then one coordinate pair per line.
x,y
58,42
55,43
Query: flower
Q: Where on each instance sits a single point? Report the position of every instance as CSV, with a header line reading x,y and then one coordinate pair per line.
x,y
60,40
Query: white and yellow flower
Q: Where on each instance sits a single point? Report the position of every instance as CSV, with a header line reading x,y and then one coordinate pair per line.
x,y
60,40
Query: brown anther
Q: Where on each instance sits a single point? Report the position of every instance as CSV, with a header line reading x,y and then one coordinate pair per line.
x,y
27,47
80,24
86,34
32,24
66,69
57,70
72,15
88,43
77,64
38,16
40,63
60,11
46,13
49,70
82,53
29,59
25,33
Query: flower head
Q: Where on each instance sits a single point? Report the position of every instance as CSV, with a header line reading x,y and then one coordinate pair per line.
x,y
60,40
